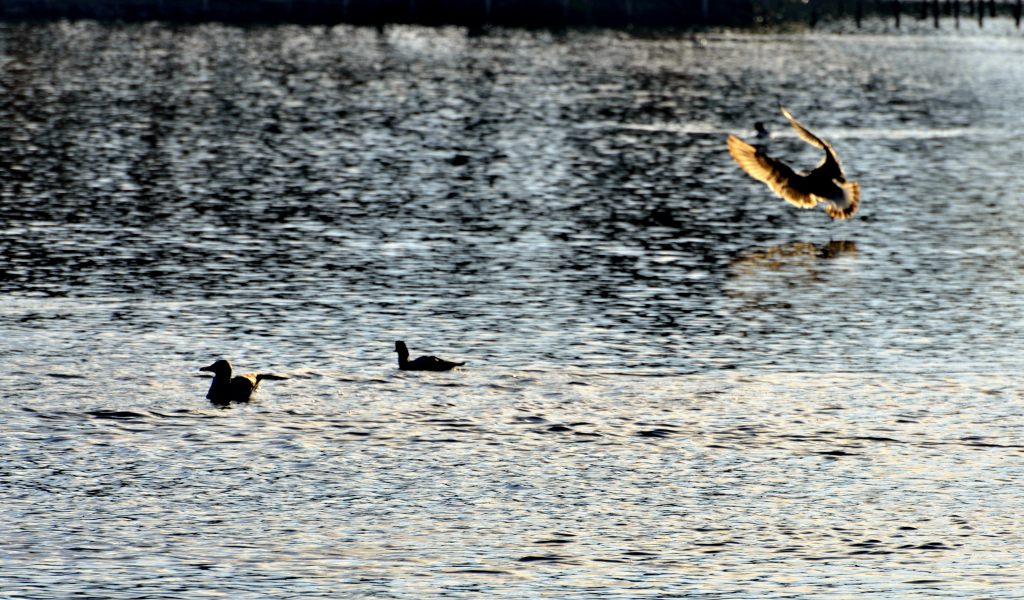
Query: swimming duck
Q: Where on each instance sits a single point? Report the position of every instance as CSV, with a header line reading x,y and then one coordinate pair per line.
x,y
825,185
762,136
226,389
423,363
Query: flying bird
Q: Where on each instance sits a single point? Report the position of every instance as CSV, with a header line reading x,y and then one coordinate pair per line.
x,y
226,389
423,363
825,185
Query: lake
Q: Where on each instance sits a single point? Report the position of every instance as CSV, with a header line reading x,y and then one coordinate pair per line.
x,y
678,386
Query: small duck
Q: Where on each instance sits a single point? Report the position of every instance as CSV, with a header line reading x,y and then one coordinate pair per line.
x,y
423,363
825,185
763,137
226,389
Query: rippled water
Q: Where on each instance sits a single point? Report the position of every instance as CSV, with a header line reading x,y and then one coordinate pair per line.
x,y
678,386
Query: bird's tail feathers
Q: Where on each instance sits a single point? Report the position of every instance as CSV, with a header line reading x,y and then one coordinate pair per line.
x,y
851,198
269,377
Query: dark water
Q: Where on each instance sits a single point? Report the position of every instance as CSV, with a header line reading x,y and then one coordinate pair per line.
x,y
678,385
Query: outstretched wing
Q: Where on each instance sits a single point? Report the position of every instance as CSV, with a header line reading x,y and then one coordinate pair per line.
x,y
779,177
804,133
830,165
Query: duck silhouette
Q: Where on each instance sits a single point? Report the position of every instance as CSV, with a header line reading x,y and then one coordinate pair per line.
x,y
225,389
762,137
826,184
423,363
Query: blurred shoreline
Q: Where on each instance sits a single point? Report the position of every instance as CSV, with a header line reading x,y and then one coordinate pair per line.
x,y
472,13
478,15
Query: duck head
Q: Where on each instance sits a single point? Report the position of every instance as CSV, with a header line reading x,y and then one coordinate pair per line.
x,y
403,353
219,368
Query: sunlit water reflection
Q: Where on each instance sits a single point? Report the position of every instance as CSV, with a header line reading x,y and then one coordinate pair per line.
x,y
678,386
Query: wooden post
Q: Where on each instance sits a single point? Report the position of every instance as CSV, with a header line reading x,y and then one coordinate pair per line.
x,y
1016,13
981,14
970,7
956,13
859,14
814,13
935,12
896,12
924,9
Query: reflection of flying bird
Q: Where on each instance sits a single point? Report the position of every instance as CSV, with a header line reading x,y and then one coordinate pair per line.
x,y
805,261
225,389
788,255
824,185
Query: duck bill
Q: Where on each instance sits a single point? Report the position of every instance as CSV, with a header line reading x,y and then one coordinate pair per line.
x,y
208,369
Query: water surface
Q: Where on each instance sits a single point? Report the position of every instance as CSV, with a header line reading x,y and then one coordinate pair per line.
x,y
678,385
